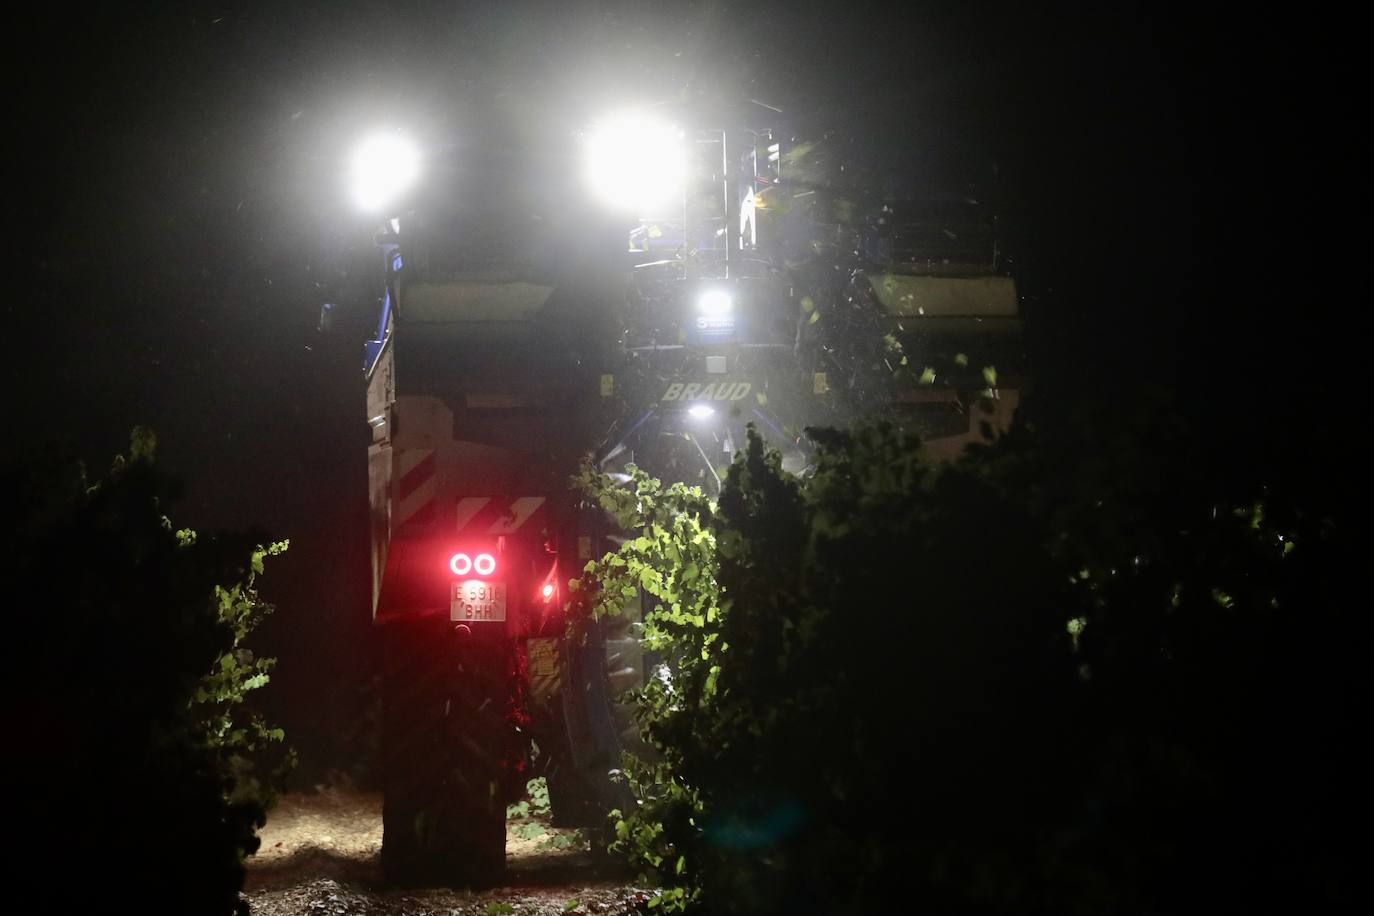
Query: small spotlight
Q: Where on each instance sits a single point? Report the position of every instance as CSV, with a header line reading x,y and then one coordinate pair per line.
x,y
715,303
700,412
547,591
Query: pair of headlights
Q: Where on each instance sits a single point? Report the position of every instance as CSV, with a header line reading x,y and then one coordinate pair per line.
x,y
631,162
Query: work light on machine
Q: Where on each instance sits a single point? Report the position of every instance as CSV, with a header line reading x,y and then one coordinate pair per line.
x,y
635,163
383,168
715,303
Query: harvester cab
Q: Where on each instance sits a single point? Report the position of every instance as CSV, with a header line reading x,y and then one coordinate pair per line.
x,y
710,326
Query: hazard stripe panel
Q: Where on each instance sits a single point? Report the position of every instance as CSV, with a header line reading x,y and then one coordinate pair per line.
x,y
520,512
416,467
496,515
417,486
469,507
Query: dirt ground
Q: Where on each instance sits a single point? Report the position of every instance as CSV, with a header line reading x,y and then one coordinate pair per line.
x,y
321,856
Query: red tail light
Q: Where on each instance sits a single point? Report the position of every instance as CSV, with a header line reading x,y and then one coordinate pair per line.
x,y
465,565
484,564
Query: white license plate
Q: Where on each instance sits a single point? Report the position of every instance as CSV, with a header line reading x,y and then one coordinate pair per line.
x,y
475,599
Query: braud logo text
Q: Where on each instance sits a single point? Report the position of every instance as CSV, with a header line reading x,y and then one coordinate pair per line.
x,y
713,391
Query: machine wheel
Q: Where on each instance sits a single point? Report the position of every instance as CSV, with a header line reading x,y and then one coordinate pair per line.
x,y
447,749
599,724
626,666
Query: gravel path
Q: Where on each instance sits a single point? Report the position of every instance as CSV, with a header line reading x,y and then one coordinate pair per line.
x,y
320,856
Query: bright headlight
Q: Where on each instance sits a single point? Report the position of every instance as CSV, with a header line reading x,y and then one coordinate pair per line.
x,y
635,163
715,303
382,169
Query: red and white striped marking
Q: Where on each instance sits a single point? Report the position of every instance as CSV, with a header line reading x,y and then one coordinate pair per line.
x,y
496,515
417,485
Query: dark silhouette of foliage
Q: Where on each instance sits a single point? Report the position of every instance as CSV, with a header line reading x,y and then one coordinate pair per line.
x,y
122,769
1032,680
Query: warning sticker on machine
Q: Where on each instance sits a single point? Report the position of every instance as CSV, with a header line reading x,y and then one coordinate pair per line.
x,y
543,667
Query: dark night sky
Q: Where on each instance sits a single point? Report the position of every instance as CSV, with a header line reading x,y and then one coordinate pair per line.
x,y
1177,182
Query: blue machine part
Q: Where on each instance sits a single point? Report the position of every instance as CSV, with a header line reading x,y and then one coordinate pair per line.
x,y
372,349
704,330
